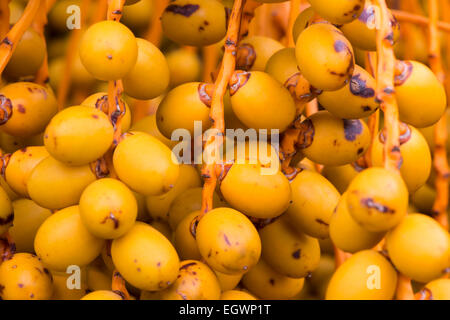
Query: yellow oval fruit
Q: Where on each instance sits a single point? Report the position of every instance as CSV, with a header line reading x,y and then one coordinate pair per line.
x,y
257,93
145,164
253,52
184,240
313,201
100,101
6,212
332,141
353,101
63,240
341,176
347,234
419,248
78,135
54,185
324,56
416,157
24,277
158,206
184,66
28,217
228,281
98,278
32,107
148,125
228,241
266,283
357,278
303,20
377,199
149,77
236,295
282,65
138,16
102,295
417,86
108,50
20,166
247,189
181,107
195,281
439,289
145,258
338,11
108,208
194,22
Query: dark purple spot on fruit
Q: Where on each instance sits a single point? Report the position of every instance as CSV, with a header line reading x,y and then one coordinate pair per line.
x,y
296,254
187,10
320,221
187,265
7,220
339,46
352,128
372,204
226,239
358,87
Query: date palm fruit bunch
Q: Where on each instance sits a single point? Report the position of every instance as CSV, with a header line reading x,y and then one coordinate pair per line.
x,y
99,127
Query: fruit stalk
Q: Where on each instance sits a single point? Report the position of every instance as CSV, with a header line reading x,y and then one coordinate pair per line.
x,y
217,114
12,38
293,13
72,51
247,15
100,10
374,118
4,18
118,285
7,247
39,25
440,131
404,16
155,29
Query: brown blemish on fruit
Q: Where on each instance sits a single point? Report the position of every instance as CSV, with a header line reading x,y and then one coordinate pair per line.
x,y
403,70
7,41
296,254
187,265
20,285
358,87
187,10
272,281
6,109
109,56
320,221
95,116
371,204
246,56
360,150
7,220
226,240
238,80
352,128
306,135
113,218
21,108
205,92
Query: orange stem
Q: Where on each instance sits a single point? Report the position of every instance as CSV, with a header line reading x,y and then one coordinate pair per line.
x,y
404,16
154,33
374,118
293,13
118,285
4,18
404,289
247,15
12,38
210,59
39,25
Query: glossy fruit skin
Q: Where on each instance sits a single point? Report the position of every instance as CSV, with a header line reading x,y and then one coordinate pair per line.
x,y
28,217
416,159
138,16
419,248
321,276
302,21
102,295
228,281
289,251
266,283
187,202
97,277
24,277
20,166
324,56
263,96
148,125
346,140
31,48
228,241
93,99
423,199
340,176
54,185
78,135
180,108
194,22
196,281
158,206
145,164
377,199
313,201
262,48
347,234
184,241
255,194
108,59
282,65
351,280
145,258
420,88
355,100
6,211
338,11
149,77
32,108
440,289
63,240
361,32
108,208
184,65
236,295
